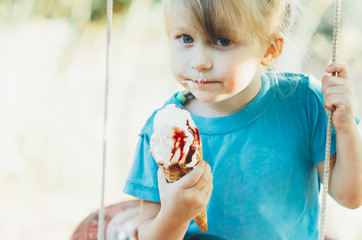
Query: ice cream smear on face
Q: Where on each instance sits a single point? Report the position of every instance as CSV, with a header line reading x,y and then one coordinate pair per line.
x,y
176,139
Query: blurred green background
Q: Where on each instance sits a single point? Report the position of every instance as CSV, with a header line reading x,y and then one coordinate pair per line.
x,y
52,70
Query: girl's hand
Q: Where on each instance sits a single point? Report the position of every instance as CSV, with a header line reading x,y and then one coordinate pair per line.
x,y
338,96
185,199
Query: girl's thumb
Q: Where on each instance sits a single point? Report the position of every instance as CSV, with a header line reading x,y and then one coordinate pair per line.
x,y
192,177
161,177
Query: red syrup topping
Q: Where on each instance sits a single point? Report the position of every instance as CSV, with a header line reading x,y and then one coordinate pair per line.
x,y
179,143
191,152
195,133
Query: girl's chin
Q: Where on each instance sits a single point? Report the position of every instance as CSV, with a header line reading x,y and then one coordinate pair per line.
x,y
207,97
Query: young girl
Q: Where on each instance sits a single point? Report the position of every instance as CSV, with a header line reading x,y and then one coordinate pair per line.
x,y
263,133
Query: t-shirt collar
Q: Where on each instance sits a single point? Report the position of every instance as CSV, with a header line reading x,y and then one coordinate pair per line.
x,y
243,117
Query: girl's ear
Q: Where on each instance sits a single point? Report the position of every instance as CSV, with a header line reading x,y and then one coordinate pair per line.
x,y
273,52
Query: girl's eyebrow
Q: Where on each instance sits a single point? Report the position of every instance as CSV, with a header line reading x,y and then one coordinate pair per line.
x,y
182,27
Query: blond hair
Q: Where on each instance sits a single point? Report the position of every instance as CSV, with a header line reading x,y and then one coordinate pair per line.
x,y
232,19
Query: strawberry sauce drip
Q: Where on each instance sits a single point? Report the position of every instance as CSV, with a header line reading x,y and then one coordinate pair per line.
x,y
179,143
195,133
190,154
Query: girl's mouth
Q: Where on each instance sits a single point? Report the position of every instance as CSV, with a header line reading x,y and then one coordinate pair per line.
x,y
198,82
201,79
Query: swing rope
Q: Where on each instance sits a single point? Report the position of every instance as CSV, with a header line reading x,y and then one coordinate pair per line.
x,y
337,18
101,229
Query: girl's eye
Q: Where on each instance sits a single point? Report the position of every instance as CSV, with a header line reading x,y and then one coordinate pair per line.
x,y
186,39
223,42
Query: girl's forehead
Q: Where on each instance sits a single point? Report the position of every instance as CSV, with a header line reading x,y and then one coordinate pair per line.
x,y
184,25
184,21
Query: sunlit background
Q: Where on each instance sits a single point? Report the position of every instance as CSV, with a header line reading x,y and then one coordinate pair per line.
x,y
52,71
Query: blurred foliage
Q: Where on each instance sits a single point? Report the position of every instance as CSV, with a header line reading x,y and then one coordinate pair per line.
x,y
99,8
18,9
325,26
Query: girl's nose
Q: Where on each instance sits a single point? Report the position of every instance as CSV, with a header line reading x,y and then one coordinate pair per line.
x,y
201,62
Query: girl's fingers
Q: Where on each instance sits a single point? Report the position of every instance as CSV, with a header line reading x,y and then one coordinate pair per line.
x,y
203,187
331,103
205,179
208,193
161,177
335,81
208,186
336,85
337,90
339,68
192,177
338,100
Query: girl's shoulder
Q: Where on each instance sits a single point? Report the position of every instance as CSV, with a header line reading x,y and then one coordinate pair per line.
x,y
147,128
290,83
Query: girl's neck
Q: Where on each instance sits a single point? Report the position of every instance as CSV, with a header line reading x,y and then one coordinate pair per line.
x,y
225,107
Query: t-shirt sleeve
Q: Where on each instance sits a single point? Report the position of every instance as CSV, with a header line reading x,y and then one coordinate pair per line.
x,y
318,119
142,179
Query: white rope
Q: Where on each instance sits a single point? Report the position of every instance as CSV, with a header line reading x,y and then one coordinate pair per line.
x,y
101,230
329,127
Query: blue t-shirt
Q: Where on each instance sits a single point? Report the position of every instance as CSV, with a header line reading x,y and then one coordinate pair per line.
x,y
263,160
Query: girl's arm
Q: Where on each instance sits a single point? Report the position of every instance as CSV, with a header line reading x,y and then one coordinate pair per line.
x,y
346,165
346,170
152,226
181,201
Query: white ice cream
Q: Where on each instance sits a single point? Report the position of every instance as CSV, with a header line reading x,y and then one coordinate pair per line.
x,y
175,139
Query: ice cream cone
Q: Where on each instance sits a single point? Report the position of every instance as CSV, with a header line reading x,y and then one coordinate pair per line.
x,y
175,173
176,147
201,221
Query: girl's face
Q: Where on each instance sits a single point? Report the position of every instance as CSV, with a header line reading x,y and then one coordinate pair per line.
x,y
213,71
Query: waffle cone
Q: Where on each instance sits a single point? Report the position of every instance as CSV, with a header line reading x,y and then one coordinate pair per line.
x,y
175,173
201,221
